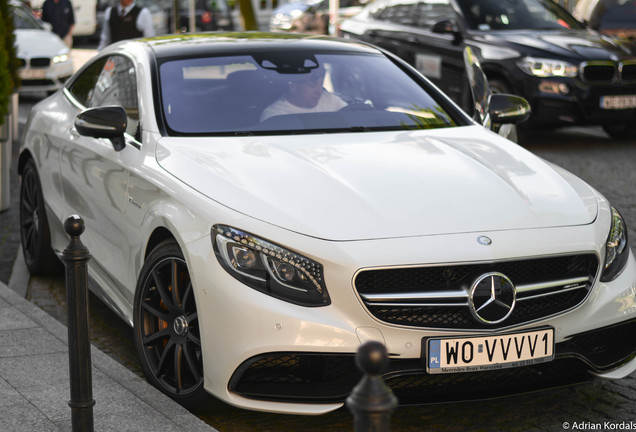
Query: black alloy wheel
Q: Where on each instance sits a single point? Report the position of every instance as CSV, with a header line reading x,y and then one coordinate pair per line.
x,y
35,235
167,327
498,86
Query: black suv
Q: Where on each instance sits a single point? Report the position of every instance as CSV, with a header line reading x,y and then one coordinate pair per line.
x,y
533,48
209,15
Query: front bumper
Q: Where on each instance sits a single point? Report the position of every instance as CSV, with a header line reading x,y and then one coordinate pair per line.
x,y
265,354
581,105
50,79
329,378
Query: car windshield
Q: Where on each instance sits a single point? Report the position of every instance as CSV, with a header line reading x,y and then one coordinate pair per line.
x,y
294,92
516,15
618,16
23,19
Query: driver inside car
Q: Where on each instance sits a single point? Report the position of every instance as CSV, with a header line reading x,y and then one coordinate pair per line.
x,y
304,94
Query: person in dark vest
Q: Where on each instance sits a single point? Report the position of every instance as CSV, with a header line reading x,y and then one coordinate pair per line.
x,y
59,13
125,21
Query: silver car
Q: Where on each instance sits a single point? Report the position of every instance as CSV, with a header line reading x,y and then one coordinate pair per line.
x,y
44,59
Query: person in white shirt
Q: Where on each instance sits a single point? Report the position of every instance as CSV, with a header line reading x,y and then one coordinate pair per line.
x,y
305,94
125,21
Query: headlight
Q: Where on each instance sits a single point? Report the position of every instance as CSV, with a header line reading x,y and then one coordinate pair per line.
x,y
270,268
60,58
616,249
547,67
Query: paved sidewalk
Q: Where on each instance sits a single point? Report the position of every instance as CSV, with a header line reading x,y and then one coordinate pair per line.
x,y
34,379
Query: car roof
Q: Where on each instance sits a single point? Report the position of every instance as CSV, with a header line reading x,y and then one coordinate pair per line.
x,y
218,43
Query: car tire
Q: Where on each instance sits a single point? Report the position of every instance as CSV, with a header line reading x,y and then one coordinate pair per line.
x,y
621,130
498,86
35,234
166,326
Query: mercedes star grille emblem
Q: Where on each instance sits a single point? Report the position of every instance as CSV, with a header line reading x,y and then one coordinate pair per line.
x,y
492,298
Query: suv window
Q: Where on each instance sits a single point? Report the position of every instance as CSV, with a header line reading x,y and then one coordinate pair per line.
x,y
427,14
515,15
400,13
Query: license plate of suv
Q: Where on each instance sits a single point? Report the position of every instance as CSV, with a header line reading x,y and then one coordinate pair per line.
x,y
482,353
618,102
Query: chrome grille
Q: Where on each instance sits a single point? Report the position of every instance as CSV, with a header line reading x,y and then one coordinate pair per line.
x,y
438,297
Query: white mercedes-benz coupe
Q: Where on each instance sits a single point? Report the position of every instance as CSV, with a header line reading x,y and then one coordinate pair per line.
x,y
258,206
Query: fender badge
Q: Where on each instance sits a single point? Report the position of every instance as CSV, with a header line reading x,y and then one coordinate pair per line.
x,y
484,241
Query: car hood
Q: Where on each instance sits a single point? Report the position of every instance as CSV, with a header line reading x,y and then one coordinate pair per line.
x,y
38,43
575,44
381,185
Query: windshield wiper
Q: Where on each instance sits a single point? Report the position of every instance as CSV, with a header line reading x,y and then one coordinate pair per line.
x,y
359,129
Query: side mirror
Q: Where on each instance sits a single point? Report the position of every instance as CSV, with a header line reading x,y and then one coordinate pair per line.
x,y
104,122
445,26
508,109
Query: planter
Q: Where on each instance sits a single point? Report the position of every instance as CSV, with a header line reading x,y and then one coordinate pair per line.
x,y
15,106
8,133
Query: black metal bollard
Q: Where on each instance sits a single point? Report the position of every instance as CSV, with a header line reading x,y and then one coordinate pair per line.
x,y
372,402
75,258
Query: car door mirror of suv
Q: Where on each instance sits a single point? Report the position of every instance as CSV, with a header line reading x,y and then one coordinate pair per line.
x,y
104,122
506,108
445,26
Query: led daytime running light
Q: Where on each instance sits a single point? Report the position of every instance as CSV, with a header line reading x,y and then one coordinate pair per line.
x,y
547,67
311,270
616,249
60,58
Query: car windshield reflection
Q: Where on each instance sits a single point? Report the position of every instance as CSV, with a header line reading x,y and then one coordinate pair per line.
x,y
294,93
23,19
515,15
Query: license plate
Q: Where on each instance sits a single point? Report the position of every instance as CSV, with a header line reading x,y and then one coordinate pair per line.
x,y
481,353
27,74
618,102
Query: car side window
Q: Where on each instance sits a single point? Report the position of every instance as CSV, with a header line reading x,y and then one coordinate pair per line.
x,y
83,87
427,14
378,13
399,14
117,85
110,81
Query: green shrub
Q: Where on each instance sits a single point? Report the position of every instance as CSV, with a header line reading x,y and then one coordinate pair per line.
x,y
8,62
